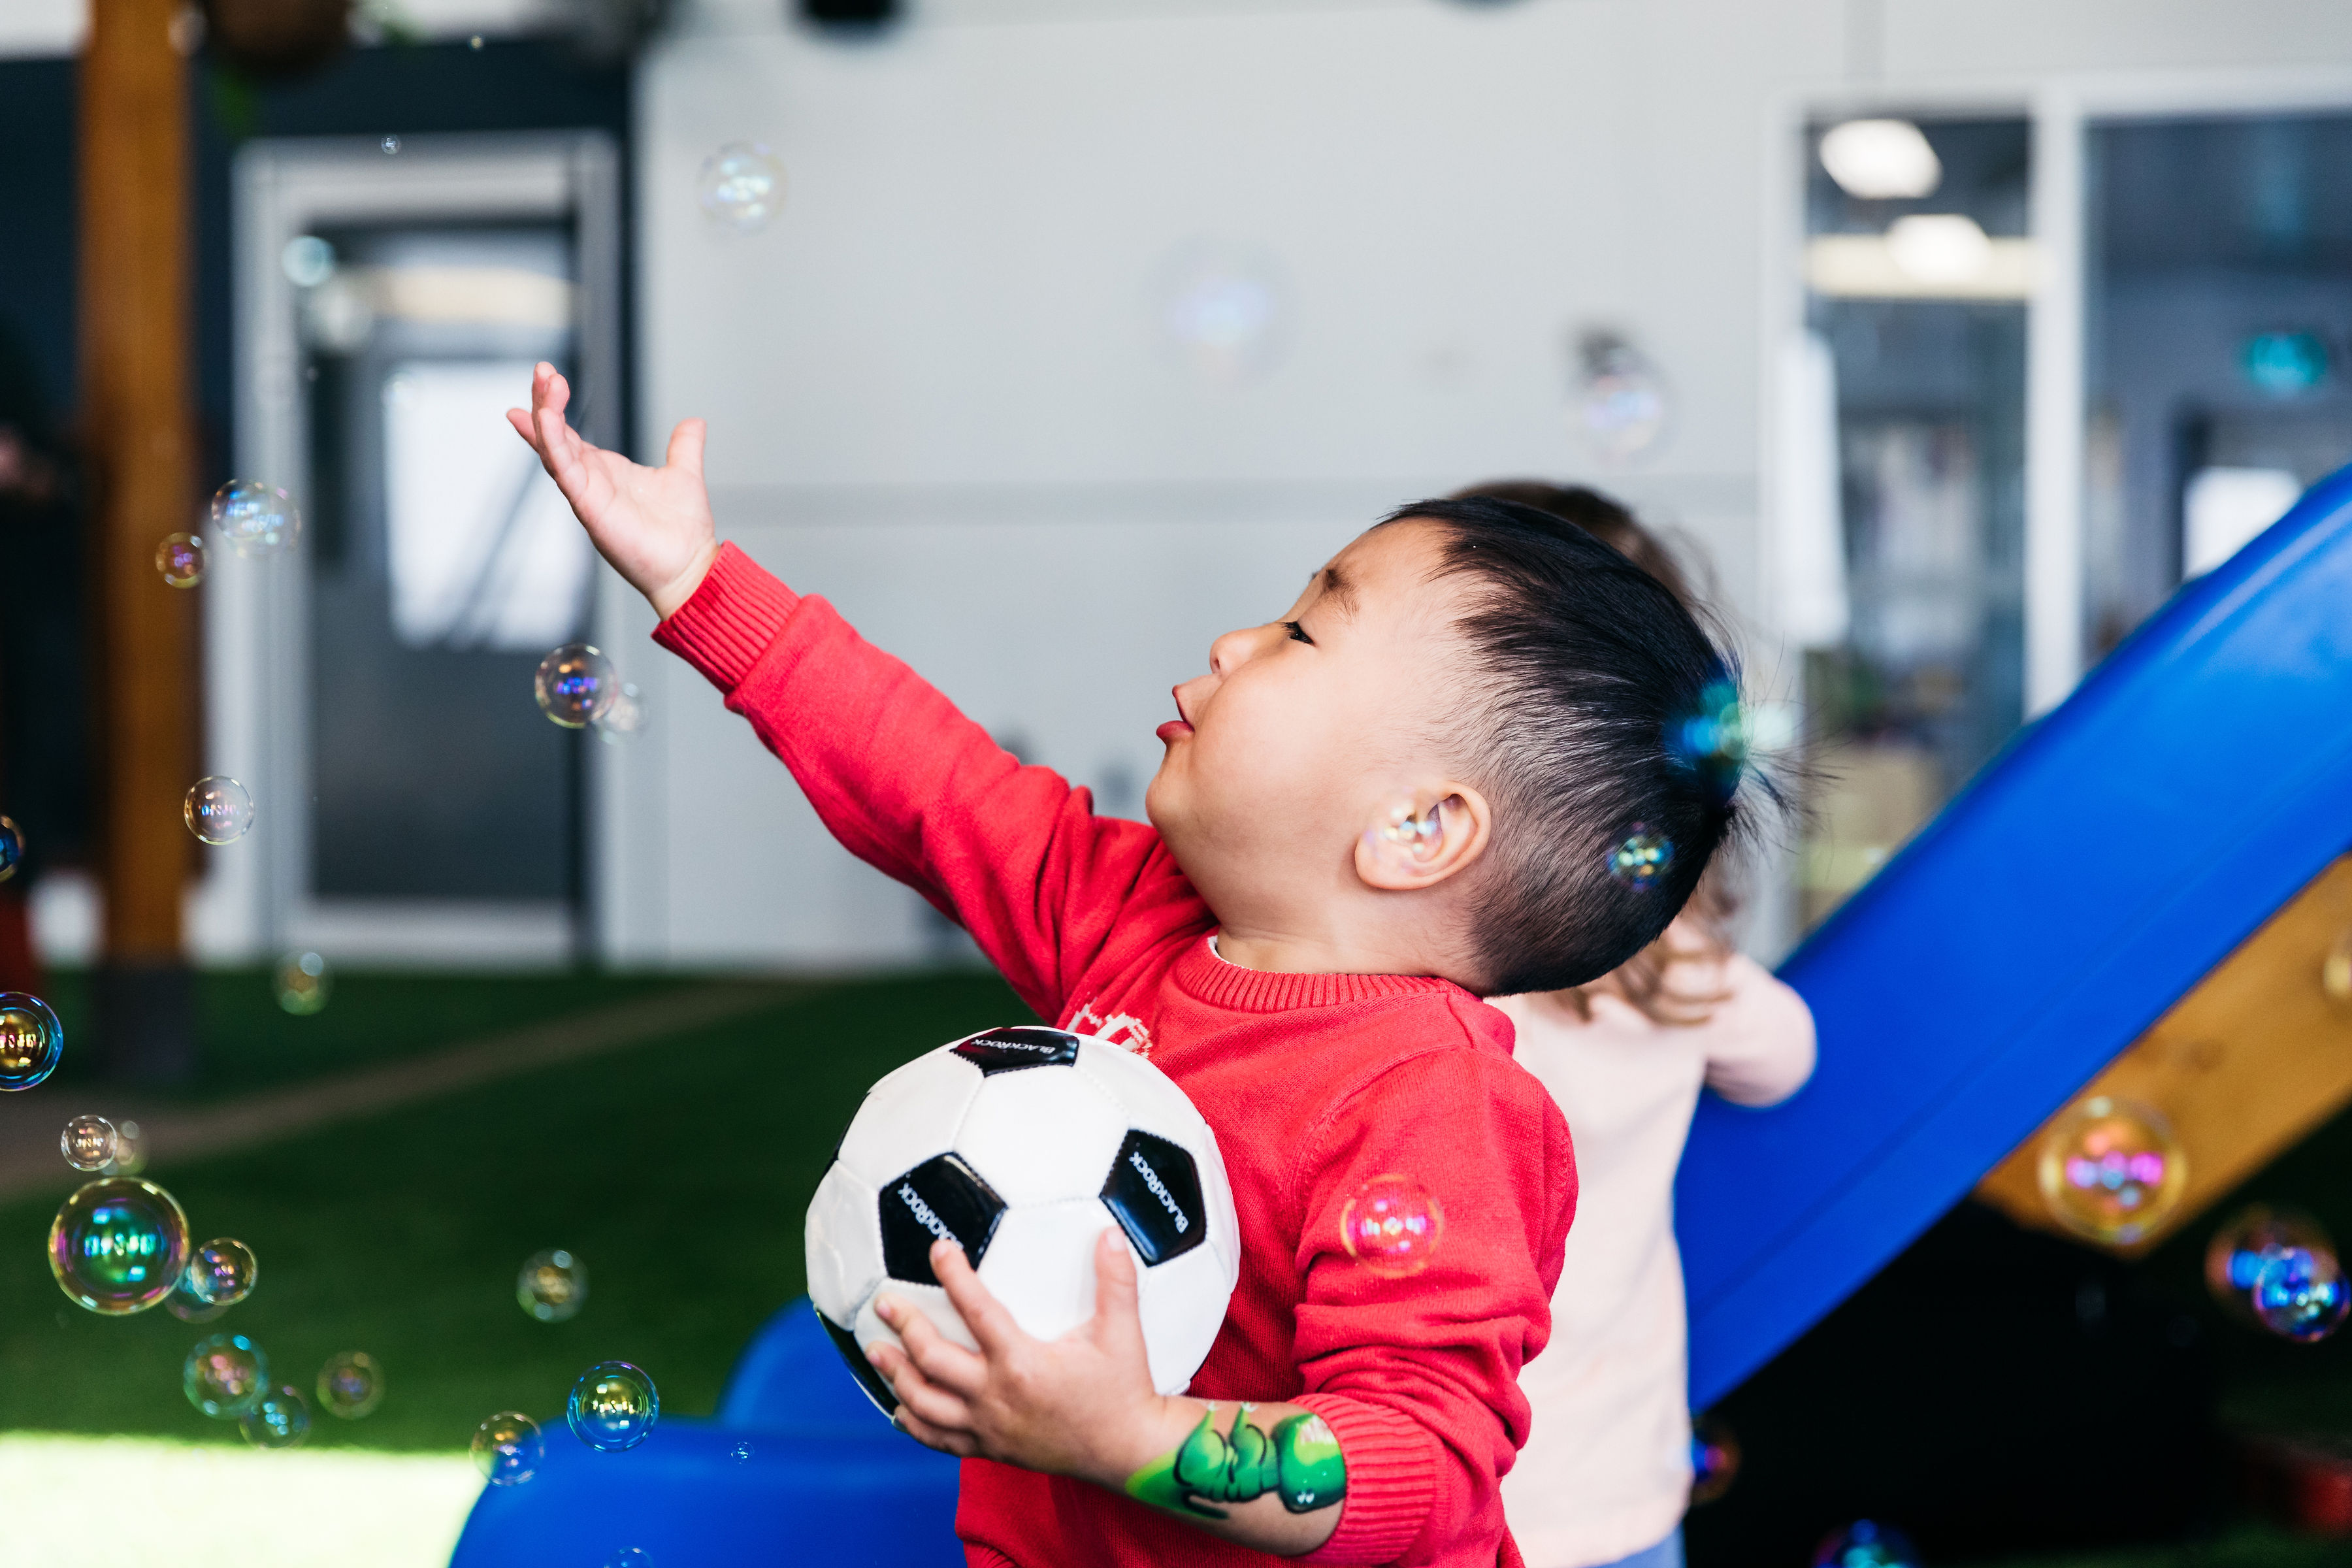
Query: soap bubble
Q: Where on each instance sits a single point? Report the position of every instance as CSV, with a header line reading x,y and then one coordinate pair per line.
x,y
1392,1226
1715,1458
1866,1544
2253,1236
629,1557
303,983
1641,859
32,1041
222,1273
130,1149
87,1142
187,1309
225,1376
1404,838
1221,312
180,559
624,717
2301,1294
256,519
2111,1170
613,1407
508,1448
1620,403
218,811
742,185
278,1419
552,1286
12,847
119,1245
391,146
741,1451
575,685
351,1384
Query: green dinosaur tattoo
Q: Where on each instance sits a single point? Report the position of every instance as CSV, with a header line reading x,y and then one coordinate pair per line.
x,y
1299,1462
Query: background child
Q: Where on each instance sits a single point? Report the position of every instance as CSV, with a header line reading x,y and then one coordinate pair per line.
x,y
1410,785
1606,1472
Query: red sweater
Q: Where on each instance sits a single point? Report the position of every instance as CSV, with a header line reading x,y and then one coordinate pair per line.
x,y
1313,1083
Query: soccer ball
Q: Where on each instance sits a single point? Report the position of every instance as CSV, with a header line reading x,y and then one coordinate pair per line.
x,y
1022,1144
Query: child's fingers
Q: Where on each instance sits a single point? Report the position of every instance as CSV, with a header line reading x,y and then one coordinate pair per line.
x,y
930,1404
521,419
686,447
941,1359
1118,1316
981,1312
963,1445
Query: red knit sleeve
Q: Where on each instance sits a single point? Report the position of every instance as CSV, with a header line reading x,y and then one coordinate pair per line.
x,y
1419,1376
914,788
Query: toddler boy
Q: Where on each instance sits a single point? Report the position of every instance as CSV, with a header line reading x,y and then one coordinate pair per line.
x,y
1407,793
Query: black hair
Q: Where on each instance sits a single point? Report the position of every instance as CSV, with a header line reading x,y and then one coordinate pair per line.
x,y
1607,727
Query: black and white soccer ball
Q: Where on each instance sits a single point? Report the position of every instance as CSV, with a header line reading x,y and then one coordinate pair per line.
x,y
1023,1145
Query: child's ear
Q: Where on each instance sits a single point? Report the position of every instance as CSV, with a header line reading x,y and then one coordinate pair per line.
x,y
1413,846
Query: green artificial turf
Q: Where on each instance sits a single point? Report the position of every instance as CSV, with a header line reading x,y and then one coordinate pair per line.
x,y
678,1171
2243,1546
246,1041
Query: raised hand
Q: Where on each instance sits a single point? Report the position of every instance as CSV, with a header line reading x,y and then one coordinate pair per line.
x,y
652,524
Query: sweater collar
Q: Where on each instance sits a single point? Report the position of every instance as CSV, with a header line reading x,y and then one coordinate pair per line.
x,y
1208,978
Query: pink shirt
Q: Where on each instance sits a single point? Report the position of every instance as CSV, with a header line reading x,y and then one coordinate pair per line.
x,y
1606,1469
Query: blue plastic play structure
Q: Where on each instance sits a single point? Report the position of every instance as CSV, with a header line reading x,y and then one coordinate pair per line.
x,y
2085,881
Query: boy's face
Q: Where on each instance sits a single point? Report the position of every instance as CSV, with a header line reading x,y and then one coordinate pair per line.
x,y
1303,729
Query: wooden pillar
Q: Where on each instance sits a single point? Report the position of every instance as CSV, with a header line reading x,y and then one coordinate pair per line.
x,y
136,427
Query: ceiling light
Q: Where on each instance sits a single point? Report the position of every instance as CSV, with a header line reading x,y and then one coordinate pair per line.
x,y
1881,160
1939,247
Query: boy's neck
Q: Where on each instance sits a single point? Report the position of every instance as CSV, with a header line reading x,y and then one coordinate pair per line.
x,y
1275,952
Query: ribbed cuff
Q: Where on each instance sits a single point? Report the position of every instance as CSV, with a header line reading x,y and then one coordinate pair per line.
x,y
730,619
1391,1478
1221,982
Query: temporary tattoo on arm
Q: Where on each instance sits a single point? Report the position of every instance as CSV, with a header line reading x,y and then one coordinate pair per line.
x,y
1299,1461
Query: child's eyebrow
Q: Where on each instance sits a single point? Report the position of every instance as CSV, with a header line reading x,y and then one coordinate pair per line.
x,y
1339,590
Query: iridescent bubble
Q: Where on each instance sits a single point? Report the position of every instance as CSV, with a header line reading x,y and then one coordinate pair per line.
x,y
1641,859
1392,1226
222,1273
1221,312
624,717
2111,1170
119,1246
552,1286
12,847
217,810
629,1557
742,1452
575,685
508,1448
180,559
303,983
130,1149
1404,838
187,1309
32,1041
1865,1543
278,1419
87,1142
225,1376
741,185
2301,1294
2253,1236
613,1406
351,1384
1621,404
391,146
254,518
1715,1458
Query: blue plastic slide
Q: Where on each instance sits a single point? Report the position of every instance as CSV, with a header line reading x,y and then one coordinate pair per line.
x,y
2085,880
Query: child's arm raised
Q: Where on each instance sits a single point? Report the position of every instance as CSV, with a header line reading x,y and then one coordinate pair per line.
x,y
904,781
1269,1476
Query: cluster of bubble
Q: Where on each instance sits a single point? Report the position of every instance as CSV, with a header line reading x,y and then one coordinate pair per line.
x,y
1640,859
1392,1226
2110,1169
2278,1268
613,1406
1715,1458
742,186
303,983
254,518
552,1286
32,1041
217,810
1866,1544
12,847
